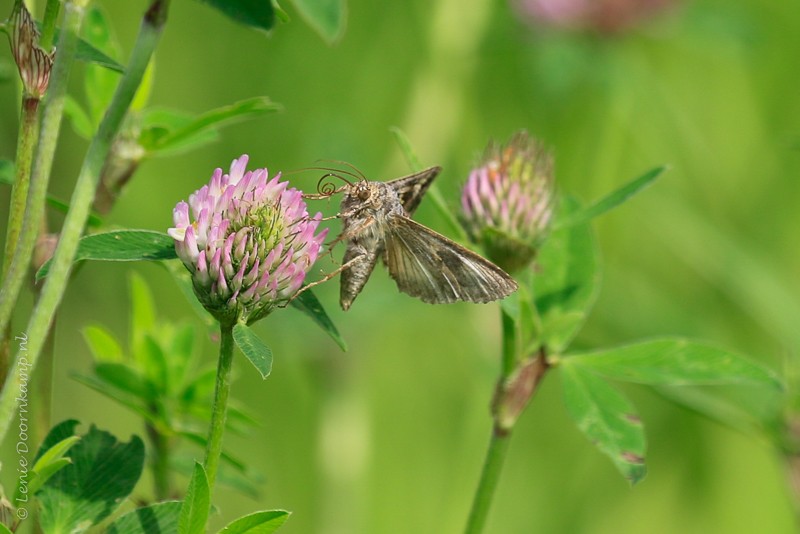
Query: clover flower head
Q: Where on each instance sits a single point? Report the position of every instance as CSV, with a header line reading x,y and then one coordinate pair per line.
x,y
507,201
602,16
247,240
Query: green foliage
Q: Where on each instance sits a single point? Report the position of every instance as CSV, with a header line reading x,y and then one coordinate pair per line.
x,y
612,200
196,504
675,362
326,17
158,377
607,418
264,522
157,518
308,303
566,286
253,348
7,178
122,245
256,13
102,473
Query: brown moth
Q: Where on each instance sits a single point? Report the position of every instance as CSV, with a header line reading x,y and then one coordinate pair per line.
x,y
377,223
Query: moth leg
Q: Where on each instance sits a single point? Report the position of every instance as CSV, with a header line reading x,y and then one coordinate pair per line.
x,y
354,230
325,278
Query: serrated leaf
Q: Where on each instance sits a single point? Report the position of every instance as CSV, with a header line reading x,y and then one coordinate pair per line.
x,y
676,362
102,344
253,348
211,120
122,245
159,518
264,522
103,473
256,13
607,419
308,303
612,200
196,504
566,285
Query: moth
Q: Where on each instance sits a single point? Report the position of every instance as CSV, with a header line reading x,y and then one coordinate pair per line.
x,y
377,223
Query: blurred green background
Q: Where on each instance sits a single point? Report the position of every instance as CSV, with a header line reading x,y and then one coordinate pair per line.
x,y
389,437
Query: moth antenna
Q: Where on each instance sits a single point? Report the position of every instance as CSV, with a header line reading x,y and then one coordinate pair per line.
x,y
360,174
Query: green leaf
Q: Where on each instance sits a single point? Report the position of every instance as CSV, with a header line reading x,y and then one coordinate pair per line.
x,y
102,344
159,518
143,310
122,245
606,417
103,473
49,463
126,379
194,511
257,523
89,54
133,403
308,303
3,528
675,362
405,147
99,83
256,13
253,348
611,200
158,123
326,17
211,120
63,430
200,439
567,283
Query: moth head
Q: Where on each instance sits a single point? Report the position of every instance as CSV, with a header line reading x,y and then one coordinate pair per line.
x,y
362,191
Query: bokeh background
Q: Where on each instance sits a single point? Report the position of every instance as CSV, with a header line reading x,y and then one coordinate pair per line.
x,y
389,436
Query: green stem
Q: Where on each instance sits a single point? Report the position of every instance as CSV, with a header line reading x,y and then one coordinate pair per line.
x,y
83,195
492,466
219,409
159,462
51,123
49,24
26,142
505,401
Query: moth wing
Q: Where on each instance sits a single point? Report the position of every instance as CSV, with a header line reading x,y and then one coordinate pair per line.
x,y
431,267
411,188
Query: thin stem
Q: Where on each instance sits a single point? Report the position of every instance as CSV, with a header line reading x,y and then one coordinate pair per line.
x,y
49,23
83,195
51,123
501,435
159,462
26,142
219,409
492,466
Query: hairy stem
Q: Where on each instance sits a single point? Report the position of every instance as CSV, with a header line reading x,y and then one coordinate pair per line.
x,y
83,195
219,409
